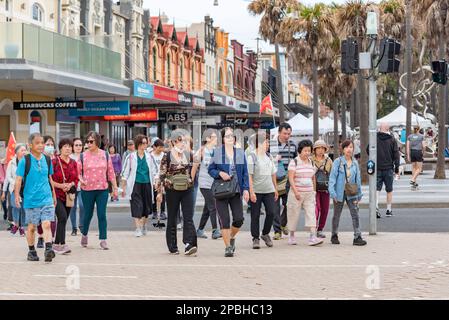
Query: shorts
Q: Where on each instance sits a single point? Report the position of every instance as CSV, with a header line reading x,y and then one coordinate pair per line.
x,y
308,203
416,156
36,216
385,177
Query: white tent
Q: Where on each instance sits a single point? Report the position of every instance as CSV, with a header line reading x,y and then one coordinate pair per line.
x,y
398,118
327,124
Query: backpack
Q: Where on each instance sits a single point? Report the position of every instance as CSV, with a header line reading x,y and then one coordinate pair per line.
x,y
27,171
107,167
322,178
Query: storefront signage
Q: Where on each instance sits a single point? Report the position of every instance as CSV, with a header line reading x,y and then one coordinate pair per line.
x,y
242,106
136,115
174,117
231,102
102,108
185,99
143,90
198,103
218,99
165,94
40,105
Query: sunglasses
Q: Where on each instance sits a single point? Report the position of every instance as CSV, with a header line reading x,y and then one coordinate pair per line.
x,y
90,141
229,136
77,145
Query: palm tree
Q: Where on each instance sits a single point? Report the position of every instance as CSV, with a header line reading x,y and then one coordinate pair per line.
x,y
272,11
310,34
434,15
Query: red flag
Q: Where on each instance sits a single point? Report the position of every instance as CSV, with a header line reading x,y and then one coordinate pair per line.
x,y
266,104
10,150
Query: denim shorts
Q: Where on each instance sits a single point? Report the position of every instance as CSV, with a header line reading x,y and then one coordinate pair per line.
x,y
385,177
37,215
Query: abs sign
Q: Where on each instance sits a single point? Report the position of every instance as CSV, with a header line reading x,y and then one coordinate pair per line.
x,y
176,117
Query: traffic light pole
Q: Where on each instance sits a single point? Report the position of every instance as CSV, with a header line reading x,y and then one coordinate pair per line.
x,y
373,139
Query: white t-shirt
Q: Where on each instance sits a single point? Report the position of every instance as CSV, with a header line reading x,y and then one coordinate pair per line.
x,y
261,172
157,160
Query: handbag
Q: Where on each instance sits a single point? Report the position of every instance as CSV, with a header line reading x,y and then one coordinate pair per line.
x,y
69,197
351,189
224,189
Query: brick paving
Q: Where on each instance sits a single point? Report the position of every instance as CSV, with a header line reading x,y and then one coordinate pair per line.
x,y
410,266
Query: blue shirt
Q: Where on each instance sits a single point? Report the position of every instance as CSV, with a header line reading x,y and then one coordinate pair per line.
x,y
37,192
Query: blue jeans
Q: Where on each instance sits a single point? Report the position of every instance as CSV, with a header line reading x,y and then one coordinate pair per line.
x,y
18,214
78,202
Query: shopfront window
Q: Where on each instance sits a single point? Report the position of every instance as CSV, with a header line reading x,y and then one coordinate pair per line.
x,y
37,12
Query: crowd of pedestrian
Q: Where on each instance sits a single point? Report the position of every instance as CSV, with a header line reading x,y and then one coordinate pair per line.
x,y
46,187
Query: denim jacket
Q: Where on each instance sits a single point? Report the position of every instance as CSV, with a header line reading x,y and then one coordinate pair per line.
x,y
337,179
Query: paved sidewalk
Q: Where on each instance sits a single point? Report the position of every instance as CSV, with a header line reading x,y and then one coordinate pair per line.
x,y
404,266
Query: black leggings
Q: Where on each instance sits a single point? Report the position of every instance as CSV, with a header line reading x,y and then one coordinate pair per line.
x,y
209,210
62,214
236,208
270,207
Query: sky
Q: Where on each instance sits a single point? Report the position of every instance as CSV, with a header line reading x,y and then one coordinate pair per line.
x,y
230,15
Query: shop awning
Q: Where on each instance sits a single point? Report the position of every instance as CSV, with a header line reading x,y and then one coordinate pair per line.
x,y
50,81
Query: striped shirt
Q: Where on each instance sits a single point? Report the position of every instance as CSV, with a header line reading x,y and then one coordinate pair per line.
x,y
304,173
287,151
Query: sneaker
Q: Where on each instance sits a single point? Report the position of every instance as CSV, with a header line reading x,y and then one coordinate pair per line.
x,y
74,232
49,255
266,238
232,245
22,231
292,241
200,234
104,245
58,249
228,252
359,241
32,256
314,241
277,236
154,217
84,241
334,239
285,231
163,216
66,249
14,230
175,252
389,213
378,213
190,250
216,234
138,233
40,243
321,235
256,244
179,227
412,182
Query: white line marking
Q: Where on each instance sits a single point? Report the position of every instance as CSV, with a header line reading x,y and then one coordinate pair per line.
x,y
82,276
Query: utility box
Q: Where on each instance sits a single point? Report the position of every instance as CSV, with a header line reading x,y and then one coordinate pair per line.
x,y
365,61
371,24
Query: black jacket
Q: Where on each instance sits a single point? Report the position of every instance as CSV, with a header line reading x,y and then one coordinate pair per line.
x,y
387,152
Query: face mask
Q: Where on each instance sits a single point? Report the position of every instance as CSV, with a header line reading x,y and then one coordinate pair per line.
x,y
49,149
179,150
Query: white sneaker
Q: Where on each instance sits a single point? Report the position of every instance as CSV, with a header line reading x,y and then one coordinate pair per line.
x,y
138,233
314,241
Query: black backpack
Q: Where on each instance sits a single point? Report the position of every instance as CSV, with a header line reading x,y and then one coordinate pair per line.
x,y
28,168
322,178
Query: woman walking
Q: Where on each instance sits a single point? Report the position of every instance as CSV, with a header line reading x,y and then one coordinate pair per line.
x,y
117,164
345,185
176,177
95,170
137,183
262,188
203,156
65,181
156,155
77,150
18,214
323,167
301,174
229,162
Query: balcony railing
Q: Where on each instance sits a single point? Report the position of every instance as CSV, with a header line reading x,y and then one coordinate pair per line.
x,y
29,42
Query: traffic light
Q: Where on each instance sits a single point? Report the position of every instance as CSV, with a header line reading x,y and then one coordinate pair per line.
x,y
389,49
439,69
349,56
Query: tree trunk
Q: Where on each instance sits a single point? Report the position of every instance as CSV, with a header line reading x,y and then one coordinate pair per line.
x,y
316,111
352,121
343,119
336,135
409,70
364,123
279,88
440,172
433,94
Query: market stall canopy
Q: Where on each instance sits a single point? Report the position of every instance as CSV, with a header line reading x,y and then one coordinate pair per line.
x,y
398,118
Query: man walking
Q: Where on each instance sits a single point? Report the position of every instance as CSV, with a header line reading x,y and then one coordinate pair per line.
x,y
282,150
387,165
39,199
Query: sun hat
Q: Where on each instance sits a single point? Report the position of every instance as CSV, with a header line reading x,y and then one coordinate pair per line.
x,y
321,144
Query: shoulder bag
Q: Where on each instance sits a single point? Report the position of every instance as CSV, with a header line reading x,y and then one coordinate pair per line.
x,y
351,189
69,197
225,189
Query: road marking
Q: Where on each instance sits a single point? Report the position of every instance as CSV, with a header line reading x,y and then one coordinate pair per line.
x,y
82,276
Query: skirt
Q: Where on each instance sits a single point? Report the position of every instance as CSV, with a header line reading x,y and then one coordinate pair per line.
x,y
141,200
